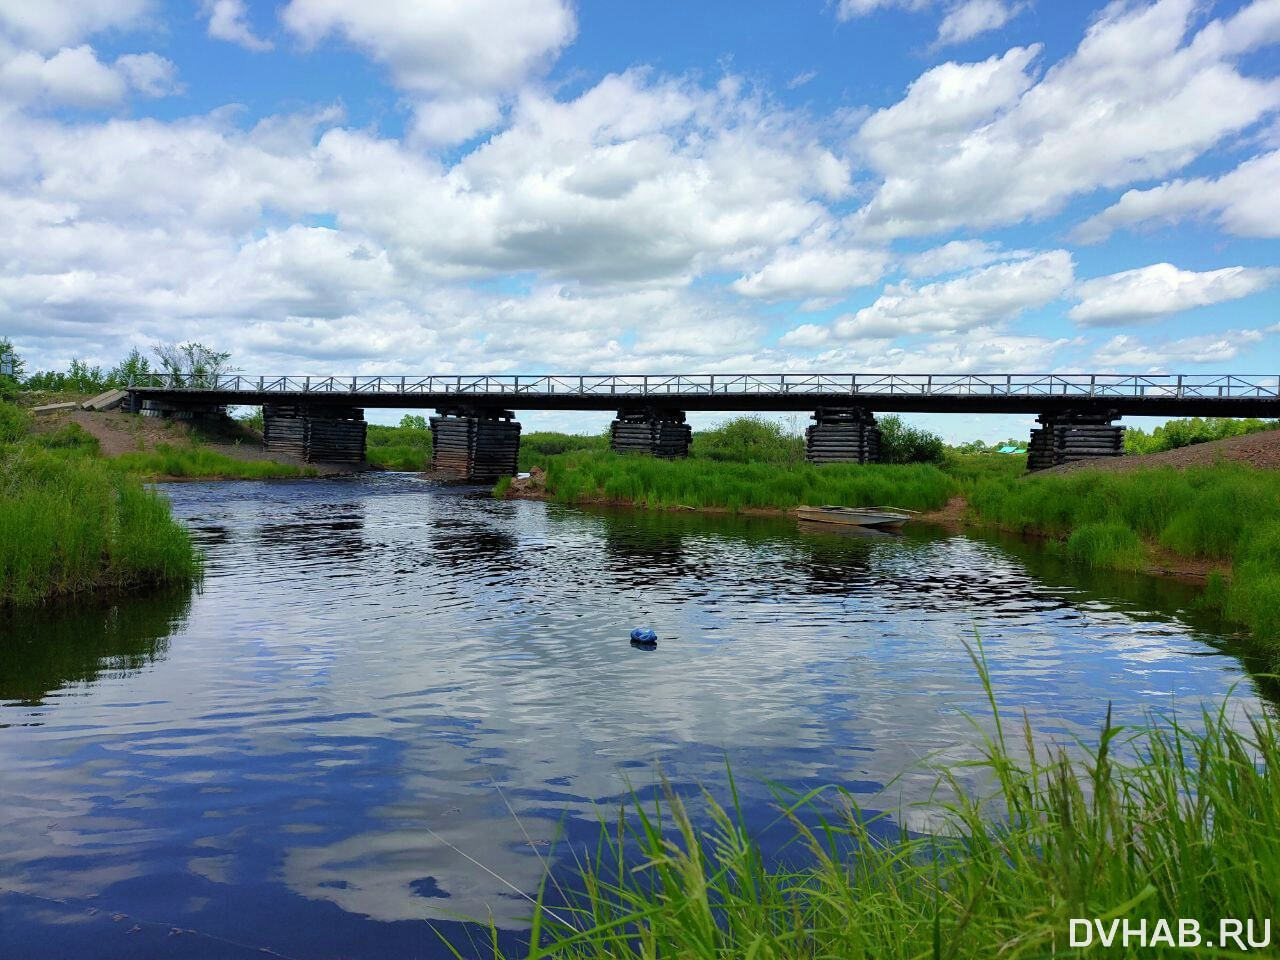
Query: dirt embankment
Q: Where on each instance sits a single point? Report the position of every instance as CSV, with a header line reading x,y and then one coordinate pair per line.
x,y
118,433
1260,450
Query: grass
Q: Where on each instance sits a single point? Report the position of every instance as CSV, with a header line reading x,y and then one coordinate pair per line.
x,y
1225,512
197,462
73,524
648,482
1170,819
400,448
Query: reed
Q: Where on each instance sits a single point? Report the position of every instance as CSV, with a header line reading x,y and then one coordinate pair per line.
x,y
1225,512
406,447
74,524
1176,818
699,483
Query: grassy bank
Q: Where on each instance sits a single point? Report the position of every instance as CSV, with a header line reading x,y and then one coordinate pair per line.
x,y
190,463
1163,821
1226,513
587,476
74,524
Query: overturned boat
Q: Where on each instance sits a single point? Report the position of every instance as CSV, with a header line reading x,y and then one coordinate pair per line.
x,y
876,518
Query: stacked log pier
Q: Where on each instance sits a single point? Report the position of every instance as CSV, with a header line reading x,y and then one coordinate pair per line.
x,y
842,435
659,433
336,435
325,435
475,447
1069,437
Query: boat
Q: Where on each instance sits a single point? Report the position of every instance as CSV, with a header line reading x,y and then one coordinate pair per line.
x,y
877,518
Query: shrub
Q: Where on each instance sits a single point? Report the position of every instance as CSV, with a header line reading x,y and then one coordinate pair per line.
x,y
902,443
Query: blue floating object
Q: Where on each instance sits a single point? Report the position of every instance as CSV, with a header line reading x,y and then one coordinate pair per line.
x,y
645,636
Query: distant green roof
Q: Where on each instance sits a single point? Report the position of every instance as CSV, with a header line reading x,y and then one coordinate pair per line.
x,y
1009,448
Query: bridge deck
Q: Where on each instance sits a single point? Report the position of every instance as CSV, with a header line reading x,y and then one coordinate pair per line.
x,y
1133,394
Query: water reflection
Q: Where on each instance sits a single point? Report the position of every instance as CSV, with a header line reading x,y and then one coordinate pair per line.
x,y
384,684
45,649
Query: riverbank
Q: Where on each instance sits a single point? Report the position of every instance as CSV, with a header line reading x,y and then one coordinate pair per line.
x,y
74,524
161,450
1155,822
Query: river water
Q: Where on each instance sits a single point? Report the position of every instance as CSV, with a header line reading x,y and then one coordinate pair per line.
x,y
390,703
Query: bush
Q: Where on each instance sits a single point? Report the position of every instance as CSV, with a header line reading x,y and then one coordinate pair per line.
x,y
901,443
748,440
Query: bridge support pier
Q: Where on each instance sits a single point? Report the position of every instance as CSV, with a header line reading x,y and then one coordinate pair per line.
x,y
315,434
1070,435
474,445
842,435
660,432
198,412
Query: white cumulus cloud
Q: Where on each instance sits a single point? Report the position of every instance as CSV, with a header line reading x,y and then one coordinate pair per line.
x,y
229,20
1244,202
1131,353
982,298
991,143
1134,296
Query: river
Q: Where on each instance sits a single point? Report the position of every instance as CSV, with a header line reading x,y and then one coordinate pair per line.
x,y
390,702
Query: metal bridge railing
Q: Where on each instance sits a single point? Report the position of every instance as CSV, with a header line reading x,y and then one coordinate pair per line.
x,y
1102,385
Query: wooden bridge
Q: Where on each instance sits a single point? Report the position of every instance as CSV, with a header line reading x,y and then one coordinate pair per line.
x,y
477,437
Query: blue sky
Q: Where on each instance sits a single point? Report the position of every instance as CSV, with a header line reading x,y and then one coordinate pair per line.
x,y
543,186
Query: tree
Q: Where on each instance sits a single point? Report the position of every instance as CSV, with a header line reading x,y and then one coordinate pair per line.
x,y
414,422
192,361
900,443
131,368
7,351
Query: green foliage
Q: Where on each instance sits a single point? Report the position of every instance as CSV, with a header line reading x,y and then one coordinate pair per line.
x,y
646,481
1106,544
1184,433
192,360
1223,512
1170,819
132,367
252,419
74,524
19,367
748,440
536,447
902,443
70,437
406,447
14,423
78,378
197,462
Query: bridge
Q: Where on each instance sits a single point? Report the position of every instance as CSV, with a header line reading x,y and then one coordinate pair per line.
x,y
477,438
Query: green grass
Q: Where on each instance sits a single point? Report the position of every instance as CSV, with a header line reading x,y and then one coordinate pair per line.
x,y
196,462
400,448
1177,817
73,524
1225,512
649,482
